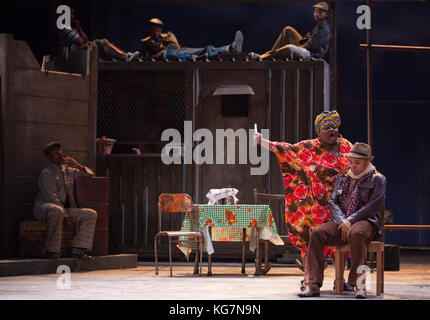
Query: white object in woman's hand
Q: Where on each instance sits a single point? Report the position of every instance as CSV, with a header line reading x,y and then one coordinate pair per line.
x,y
257,137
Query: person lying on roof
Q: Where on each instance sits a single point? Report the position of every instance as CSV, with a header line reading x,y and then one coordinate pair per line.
x,y
291,44
75,38
159,45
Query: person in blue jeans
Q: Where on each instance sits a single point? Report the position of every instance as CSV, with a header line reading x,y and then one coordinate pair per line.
x,y
160,45
75,38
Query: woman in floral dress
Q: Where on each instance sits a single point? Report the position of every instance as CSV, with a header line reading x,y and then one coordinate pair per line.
x,y
310,169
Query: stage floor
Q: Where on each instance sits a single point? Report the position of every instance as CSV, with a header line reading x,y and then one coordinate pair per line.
x,y
226,283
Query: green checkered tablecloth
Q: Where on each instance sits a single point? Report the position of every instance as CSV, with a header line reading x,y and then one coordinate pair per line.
x,y
228,222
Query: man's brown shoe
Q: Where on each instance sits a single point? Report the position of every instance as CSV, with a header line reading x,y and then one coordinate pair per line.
x,y
346,286
52,255
311,290
80,254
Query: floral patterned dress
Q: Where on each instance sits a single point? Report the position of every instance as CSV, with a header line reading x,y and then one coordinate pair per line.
x,y
309,172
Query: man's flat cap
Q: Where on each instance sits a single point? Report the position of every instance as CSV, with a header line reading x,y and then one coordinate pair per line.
x,y
156,21
322,6
48,147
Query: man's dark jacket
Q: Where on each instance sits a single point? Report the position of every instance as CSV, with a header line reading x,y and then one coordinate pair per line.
x,y
318,40
371,204
165,41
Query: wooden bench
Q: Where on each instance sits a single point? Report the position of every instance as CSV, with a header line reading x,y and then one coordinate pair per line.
x,y
90,193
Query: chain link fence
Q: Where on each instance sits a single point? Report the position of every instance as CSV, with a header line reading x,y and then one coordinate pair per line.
x,y
134,107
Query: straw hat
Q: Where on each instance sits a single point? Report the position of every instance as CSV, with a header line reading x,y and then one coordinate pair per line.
x,y
156,21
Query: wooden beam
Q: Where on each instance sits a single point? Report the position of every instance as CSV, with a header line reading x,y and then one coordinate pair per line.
x,y
248,1
395,48
18,267
406,227
212,65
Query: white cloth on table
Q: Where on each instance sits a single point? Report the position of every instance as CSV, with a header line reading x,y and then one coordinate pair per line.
x,y
215,195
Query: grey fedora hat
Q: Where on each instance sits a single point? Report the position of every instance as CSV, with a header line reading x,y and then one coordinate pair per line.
x,y
361,150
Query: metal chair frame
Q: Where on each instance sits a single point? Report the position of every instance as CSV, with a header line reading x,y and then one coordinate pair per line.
x,y
163,208
256,196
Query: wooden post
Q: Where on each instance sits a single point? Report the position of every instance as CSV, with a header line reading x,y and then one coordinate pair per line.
x,y
196,258
382,269
369,84
243,250
339,266
209,256
209,264
170,256
266,256
156,254
201,254
7,102
257,258
379,272
333,56
92,108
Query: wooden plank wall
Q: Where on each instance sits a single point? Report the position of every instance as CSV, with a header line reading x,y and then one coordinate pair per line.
x,y
135,182
38,107
296,90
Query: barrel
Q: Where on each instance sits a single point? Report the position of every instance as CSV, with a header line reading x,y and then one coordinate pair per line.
x,y
93,193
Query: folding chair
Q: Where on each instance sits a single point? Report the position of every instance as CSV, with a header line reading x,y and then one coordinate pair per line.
x,y
177,203
257,196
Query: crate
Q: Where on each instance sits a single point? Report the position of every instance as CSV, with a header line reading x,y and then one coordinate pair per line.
x,y
93,193
32,237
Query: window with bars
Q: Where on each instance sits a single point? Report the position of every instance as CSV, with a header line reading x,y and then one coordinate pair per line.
x,y
135,107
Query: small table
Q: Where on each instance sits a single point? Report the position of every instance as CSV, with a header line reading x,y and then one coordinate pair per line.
x,y
232,220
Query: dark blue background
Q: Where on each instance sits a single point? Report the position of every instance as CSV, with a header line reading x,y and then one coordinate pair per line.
x,y
400,131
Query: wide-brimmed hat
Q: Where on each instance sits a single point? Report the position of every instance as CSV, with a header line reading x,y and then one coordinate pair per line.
x,y
156,22
361,150
48,147
321,5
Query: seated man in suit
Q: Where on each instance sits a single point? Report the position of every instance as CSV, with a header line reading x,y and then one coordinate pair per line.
x,y
56,201
356,206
